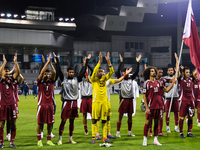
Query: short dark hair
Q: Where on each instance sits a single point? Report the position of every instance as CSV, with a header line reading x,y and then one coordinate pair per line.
x,y
159,69
146,72
47,70
70,68
100,67
185,68
6,68
169,66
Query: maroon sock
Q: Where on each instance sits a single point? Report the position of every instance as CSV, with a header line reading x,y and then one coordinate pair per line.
x,y
71,127
181,125
13,133
48,137
146,128
190,124
118,126
167,119
1,135
198,116
39,137
156,129
160,125
176,118
150,126
129,126
61,128
85,126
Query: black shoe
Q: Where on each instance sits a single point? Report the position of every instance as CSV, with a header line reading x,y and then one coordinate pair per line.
x,y
182,135
2,146
191,135
11,145
107,141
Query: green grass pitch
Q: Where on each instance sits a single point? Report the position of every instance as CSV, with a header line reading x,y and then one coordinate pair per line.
x,y
26,137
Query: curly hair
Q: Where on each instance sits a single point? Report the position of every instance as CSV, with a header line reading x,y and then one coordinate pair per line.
x,y
146,72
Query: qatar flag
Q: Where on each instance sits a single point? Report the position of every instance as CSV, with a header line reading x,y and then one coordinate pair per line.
x,y
191,38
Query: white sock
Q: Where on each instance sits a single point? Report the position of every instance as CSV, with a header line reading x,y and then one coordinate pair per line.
x,y
155,138
188,132
118,132
60,137
176,127
97,134
129,132
70,137
168,127
145,138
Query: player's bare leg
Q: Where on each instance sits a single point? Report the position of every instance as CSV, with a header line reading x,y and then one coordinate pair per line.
x,y
155,141
2,122
71,129
130,125
61,129
119,121
109,135
85,123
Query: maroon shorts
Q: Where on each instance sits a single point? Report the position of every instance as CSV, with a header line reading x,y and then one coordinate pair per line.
x,y
9,110
126,106
186,107
86,105
45,114
174,107
155,114
69,109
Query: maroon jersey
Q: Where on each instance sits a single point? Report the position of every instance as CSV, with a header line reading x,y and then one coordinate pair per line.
x,y
196,88
152,91
7,96
186,89
45,92
15,87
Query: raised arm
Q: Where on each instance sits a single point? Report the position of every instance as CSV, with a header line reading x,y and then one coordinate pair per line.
x,y
3,65
119,67
17,67
96,68
87,77
90,69
21,78
44,68
122,77
43,62
137,68
13,69
110,73
53,76
81,74
59,72
176,57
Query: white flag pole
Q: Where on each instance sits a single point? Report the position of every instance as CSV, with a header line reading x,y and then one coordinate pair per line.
x,y
177,69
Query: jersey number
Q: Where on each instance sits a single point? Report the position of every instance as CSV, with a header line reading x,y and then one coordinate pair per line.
x,y
188,84
155,89
47,88
7,87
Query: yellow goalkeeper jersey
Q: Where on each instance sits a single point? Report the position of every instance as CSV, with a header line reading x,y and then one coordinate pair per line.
x,y
99,85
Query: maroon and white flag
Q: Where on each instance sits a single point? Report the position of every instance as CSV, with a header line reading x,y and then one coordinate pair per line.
x,y
191,38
